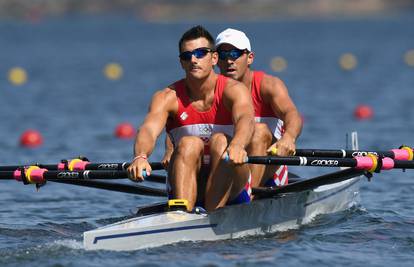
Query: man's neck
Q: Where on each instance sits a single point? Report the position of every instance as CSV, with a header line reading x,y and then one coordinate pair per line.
x,y
247,78
198,89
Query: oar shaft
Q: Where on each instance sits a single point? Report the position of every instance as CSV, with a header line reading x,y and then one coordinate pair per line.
x,y
124,188
370,163
340,153
404,153
118,166
403,164
42,175
303,161
83,165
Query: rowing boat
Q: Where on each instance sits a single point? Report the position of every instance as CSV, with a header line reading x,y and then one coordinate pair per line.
x,y
287,209
273,209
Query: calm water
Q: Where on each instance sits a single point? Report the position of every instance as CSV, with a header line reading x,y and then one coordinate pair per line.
x,y
68,99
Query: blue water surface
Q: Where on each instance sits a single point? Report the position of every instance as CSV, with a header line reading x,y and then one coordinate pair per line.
x,y
68,99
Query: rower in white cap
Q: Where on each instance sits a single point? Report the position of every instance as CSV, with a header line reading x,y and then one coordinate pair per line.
x,y
278,122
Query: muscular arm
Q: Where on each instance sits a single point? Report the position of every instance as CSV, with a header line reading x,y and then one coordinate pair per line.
x,y
162,105
237,99
275,92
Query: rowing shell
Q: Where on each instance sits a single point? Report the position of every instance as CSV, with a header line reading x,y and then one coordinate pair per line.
x,y
263,216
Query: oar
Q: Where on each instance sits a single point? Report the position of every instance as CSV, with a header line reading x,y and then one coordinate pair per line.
x,y
403,153
36,175
370,163
309,183
124,188
82,165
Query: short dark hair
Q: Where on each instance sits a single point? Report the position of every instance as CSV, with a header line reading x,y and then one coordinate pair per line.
x,y
195,33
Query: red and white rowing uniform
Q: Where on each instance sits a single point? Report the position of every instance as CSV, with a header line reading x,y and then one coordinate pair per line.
x,y
190,122
265,114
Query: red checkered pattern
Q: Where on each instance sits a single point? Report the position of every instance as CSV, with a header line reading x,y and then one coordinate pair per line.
x,y
280,177
248,186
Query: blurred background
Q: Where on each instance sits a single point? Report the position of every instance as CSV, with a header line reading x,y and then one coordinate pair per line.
x,y
179,10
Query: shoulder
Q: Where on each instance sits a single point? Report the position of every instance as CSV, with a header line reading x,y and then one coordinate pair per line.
x,y
236,91
167,93
269,80
165,98
271,85
233,84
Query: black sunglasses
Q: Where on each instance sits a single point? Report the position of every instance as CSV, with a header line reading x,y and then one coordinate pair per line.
x,y
198,53
233,54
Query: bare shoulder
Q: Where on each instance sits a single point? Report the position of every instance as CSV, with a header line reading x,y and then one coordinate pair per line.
x,y
235,92
234,85
272,85
166,94
165,98
272,81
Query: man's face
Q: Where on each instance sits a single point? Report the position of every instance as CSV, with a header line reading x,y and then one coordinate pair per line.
x,y
233,62
197,59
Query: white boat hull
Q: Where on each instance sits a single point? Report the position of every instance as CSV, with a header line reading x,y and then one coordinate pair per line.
x,y
286,211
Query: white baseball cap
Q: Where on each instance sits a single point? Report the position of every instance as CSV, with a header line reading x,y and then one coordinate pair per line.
x,y
234,37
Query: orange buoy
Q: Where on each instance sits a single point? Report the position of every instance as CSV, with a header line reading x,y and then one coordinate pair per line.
x,y
125,130
31,138
363,112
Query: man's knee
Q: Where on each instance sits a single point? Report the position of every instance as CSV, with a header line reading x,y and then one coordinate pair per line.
x,y
218,143
261,134
190,146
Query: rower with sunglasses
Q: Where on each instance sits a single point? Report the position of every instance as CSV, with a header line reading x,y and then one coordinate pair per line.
x,y
273,107
209,119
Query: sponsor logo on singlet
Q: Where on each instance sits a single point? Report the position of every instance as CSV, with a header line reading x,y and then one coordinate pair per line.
x,y
184,116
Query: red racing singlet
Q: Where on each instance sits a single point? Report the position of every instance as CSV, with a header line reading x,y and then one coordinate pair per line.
x,y
263,111
190,122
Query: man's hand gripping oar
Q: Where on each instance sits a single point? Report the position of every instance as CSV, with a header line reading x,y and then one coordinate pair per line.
x,y
139,168
284,147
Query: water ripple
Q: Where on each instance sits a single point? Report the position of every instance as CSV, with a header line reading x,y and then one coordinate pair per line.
x,y
76,109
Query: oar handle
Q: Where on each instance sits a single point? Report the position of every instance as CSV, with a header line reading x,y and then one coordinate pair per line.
x,y
227,158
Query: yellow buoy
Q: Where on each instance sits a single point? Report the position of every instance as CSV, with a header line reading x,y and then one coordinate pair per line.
x,y
348,61
278,64
113,71
17,76
409,58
